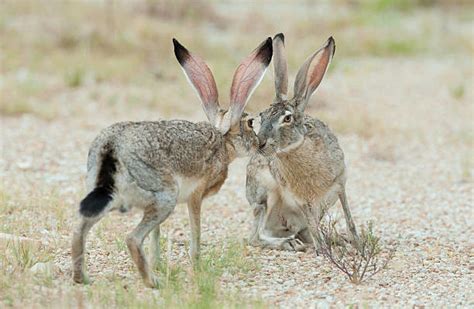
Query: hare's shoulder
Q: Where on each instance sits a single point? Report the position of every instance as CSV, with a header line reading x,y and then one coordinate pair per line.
x,y
319,131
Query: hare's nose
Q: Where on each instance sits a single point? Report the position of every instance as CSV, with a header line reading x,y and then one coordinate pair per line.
x,y
262,143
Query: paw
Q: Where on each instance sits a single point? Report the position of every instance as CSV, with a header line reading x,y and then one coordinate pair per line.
x,y
152,282
293,244
81,278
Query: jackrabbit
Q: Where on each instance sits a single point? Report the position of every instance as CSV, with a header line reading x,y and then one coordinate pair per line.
x,y
299,170
155,165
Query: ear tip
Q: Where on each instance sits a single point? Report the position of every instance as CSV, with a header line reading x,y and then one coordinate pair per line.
x,y
180,52
266,52
332,43
176,43
280,36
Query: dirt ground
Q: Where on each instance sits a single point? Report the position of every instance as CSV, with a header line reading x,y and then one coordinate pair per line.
x,y
404,121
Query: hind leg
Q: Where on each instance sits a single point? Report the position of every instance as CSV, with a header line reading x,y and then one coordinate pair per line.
x,y
153,216
78,247
348,215
155,250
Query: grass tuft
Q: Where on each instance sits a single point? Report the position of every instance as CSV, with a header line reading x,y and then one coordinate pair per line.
x,y
201,288
75,78
458,91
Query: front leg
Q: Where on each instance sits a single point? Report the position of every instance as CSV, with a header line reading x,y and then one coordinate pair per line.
x,y
313,215
194,210
258,222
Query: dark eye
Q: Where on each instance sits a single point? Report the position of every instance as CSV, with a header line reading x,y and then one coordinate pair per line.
x,y
287,118
250,123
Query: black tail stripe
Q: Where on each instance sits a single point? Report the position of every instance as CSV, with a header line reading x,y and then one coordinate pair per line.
x,y
96,201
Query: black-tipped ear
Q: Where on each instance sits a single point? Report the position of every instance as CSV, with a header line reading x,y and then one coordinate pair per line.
x,y
280,68
266,52
280,36
182,54
246,78
201,78
332,42
312,72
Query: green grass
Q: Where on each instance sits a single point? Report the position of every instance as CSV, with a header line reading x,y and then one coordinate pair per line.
x,y
75,77
198,287
182,286
201,287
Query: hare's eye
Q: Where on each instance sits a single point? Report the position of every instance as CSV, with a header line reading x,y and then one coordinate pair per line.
x,y
287,119
250,123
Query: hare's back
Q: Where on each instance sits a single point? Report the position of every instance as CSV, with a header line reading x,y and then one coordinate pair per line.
x,y
322,136
183,146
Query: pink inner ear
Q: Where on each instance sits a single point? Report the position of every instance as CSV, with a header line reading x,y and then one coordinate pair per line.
x,y
245,78
201,77
318,69
203,82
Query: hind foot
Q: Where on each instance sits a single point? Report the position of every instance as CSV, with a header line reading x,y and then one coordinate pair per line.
x,y
81,278
293,244
152,281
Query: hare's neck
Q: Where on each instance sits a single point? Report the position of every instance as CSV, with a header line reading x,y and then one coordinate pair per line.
x,y
292,164
230,149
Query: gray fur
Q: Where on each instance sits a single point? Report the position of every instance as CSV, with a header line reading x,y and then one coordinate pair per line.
x,y
298,173
162,163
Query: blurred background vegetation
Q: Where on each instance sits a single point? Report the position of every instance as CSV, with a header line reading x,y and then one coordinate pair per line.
x,y
64,58
398,94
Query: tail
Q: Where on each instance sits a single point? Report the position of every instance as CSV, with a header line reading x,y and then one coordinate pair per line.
x,y
96,201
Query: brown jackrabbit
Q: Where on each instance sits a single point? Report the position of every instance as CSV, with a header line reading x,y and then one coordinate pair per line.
x,y
155,165
299,170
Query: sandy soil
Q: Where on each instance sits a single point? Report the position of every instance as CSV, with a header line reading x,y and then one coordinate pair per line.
x,y
408,176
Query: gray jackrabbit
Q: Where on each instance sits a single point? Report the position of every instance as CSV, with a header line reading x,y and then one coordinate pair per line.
x,y
155,165
299,170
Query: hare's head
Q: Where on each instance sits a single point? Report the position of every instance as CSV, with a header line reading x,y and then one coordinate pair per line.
x,y
281,126
232,123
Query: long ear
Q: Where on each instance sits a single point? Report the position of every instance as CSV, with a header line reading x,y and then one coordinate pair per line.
x,y
280,68
311,73
200,77
246,78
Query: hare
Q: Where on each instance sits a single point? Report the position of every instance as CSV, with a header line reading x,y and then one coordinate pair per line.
x,y
299,170
155,165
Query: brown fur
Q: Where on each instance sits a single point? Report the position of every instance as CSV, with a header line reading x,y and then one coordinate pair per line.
x,y
299,171
155,165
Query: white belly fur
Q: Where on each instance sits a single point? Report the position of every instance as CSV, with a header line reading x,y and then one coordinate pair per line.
x,y
186,186
266,179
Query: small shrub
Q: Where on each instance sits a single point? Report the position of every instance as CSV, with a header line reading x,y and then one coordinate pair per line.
x,y
358,259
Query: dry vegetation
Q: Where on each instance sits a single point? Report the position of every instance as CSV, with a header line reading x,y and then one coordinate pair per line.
x,y
399,94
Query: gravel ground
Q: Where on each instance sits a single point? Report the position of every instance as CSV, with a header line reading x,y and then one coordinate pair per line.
x,y
411,182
